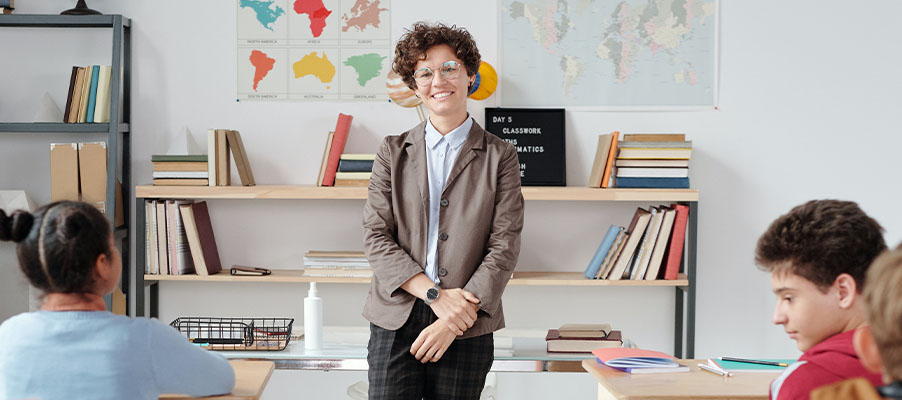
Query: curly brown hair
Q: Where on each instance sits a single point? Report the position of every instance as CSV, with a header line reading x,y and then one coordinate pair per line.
x,y
58,245
820,240
412,47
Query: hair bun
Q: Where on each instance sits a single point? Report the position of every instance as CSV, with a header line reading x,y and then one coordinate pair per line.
x,y
16,226
72,223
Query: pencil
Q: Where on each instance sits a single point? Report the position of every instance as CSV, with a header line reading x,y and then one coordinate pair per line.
x,y
762,362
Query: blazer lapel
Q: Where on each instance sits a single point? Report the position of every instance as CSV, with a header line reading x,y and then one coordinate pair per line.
x,y
416,158
475,141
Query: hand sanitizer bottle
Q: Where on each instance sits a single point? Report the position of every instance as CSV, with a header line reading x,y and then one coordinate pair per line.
x,y
313,320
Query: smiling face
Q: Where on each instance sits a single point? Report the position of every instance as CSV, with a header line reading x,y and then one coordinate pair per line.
x,y
444,97
807,314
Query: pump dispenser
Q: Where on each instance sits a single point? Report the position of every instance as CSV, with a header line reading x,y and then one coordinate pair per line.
x,y
313,320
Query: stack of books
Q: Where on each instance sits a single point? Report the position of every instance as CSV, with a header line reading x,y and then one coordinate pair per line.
x,y
653,161
582,338
338,264
354,169
650,248
178,238
180,170
88,100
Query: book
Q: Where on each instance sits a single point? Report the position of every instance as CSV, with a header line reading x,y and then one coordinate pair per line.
x,y
342,254
70,93
180,174
201,241
77,90
657,255
357,157
325,160
556,343
638,360
85,92
171,237
162,249
612,259
654,153
606,264
180,182
649,243
643,172
674,253
92,96
241,161
684,144
652,163
602,151
612,155
223,161
178,158
636,229
355,165
654,137
664,183
594,331
150,237
186,166
183,258
603,248
353,175
342,127
102,102
212,166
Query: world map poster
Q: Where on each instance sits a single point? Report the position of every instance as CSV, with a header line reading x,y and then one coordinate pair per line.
x,y
609,53
313,50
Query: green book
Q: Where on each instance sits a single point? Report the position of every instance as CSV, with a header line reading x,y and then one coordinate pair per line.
x,y
735,366
176,157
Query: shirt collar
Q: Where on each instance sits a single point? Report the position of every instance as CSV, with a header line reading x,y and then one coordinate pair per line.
x,y
456,137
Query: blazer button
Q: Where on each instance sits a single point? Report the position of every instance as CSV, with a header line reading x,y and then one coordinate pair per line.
x,y
442,272
444,203
443,236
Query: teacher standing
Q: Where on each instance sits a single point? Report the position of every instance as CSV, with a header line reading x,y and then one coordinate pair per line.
x,y
442,230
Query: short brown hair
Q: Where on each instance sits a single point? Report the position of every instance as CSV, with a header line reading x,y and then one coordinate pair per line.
x,y
883,300
58,245
820,240
411,48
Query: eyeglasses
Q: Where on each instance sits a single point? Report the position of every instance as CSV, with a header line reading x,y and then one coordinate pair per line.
x,y
449,70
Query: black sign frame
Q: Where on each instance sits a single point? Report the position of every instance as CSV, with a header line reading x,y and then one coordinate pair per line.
x,y
508,123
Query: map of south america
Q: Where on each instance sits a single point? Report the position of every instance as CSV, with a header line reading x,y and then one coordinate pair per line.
x,y
262,65
317,13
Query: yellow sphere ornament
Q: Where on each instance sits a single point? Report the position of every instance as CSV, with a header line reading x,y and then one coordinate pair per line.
x,y
486,82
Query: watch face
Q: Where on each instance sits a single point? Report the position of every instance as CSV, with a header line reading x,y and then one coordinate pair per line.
x,y
432,294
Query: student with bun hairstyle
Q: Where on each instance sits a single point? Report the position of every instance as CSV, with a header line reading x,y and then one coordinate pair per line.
x,y
73,348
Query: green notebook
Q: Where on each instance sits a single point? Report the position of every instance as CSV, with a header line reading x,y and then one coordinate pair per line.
x,y
735,366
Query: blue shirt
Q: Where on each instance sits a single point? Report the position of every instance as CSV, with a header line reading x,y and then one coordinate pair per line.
x,y
99,355
441,152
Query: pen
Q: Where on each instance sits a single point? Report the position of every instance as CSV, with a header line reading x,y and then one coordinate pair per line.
x,y
743,360
714,370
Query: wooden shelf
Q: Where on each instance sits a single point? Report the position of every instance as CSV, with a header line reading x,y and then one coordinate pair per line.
x,y
566,193
520,279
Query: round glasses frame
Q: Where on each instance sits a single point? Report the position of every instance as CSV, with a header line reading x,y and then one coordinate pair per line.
x,y
448,69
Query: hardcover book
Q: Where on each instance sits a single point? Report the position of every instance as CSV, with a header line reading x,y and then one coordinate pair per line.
x,y
555,343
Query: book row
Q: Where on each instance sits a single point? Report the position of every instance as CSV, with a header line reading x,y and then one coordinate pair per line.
x,y
88,100
650,248
178,238
641,161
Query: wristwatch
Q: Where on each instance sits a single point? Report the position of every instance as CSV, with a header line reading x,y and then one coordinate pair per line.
x,y
431,295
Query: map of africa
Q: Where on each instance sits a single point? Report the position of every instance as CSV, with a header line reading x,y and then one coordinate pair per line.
x,y
609,53
313,50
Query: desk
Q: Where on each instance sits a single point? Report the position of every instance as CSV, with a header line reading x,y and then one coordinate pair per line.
x,y
344,349
250,380
695,384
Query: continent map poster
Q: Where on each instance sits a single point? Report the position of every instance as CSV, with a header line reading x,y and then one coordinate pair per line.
x,y
313,50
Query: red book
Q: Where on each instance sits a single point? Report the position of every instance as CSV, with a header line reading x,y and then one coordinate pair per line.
x,y
338,146
675,249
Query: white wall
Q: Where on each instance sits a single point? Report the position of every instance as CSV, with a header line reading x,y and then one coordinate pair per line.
x,y
809,108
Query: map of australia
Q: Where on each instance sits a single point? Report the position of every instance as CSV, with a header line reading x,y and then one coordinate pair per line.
x,y
367,66
262,65
266,11
317,13
312,64
364,13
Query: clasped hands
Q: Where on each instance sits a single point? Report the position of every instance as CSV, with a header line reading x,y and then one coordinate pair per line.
x,y
456,312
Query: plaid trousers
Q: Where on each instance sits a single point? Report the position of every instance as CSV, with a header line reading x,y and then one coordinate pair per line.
x,y
394,373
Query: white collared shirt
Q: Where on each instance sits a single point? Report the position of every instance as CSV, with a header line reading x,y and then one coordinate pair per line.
x,y
441,152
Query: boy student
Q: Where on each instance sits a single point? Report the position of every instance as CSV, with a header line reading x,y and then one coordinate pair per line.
x,y
73,348
879,344
817,256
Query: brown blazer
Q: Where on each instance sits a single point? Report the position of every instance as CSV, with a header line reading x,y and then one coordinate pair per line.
x,y
481,223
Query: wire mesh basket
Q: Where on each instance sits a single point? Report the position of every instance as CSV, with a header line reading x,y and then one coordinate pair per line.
x,y
241,334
